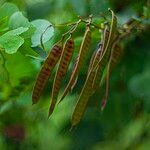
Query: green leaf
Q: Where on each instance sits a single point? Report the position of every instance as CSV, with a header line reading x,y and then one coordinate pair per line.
x,y
11,42
18,20
19,67
26,49
3,24
7,9
18,31
41,25
29,32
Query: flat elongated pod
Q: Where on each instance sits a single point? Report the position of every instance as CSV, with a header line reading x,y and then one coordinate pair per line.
x,y
61,71
95,61
101,48
104,100
46,71
117,52
85,45
72,81
107,50
82,100
92,61
100,56
115,57
86,90
95,57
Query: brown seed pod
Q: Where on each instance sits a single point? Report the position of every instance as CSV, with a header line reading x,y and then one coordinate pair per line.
x,y
61,71
114,59
83,99
95,57
85,45
110,40
46,71
86,90
116,55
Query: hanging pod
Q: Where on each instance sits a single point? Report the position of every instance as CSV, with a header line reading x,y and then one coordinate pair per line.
x,y
105,60
85,45
86,90
61,71
117,53
115,57
108,47
99,56
91,60
46,71
110,39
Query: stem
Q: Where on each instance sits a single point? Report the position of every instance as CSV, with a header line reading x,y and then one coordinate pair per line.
x,y
41,38
95,26
73,28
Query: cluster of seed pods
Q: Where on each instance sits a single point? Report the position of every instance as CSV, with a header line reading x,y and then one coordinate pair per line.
x,y
79,61
103,58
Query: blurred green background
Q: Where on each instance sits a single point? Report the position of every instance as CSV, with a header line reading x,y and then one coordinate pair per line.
x,y
125,122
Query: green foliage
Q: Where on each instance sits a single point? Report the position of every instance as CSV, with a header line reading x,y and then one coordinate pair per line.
x,y
22,69
16,23
11,41
7,9
125,122
41,26
18,20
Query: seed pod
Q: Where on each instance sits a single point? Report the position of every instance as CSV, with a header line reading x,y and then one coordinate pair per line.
x,y
104,100
82,100
103,64
107,50
86,90
114,59
96,71
116,55
74,81
92,60
100,54
112,38
85,45
95,57
61,71
46,71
